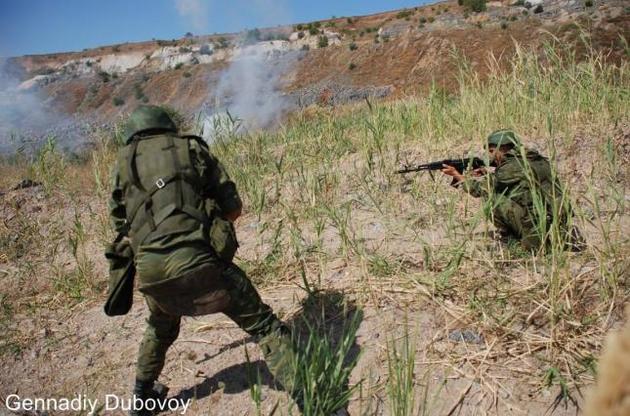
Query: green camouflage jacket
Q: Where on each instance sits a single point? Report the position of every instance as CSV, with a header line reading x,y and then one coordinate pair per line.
x,y
164,257
519,180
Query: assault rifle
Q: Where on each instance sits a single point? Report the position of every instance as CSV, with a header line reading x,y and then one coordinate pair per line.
x,y
460,164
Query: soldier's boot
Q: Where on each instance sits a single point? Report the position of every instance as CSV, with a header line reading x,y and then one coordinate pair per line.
x,y
147,398
281,358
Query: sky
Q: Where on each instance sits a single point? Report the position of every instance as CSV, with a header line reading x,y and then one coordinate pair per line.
x,y
46,26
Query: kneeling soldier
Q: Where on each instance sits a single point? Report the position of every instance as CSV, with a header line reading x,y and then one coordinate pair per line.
x,y
527,199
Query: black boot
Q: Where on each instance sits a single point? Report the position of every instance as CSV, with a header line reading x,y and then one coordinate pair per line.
x,y
145,398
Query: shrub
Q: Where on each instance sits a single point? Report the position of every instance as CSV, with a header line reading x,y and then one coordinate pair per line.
x,y
104,76
349,20
186,74
312,30
422,19
299,27
588,3
475,5
322,42
513,18
352,66
504,25
178,65
404,14
431,19
353,46
306,48
538,9
118,101
205,50
222,43
252,36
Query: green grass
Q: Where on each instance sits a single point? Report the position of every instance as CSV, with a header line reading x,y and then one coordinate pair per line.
x,y
324,199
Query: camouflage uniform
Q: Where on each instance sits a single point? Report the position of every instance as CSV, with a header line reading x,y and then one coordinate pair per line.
x,y
521,177
178,267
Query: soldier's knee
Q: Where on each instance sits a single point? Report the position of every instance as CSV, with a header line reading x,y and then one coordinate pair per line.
x,y
164,329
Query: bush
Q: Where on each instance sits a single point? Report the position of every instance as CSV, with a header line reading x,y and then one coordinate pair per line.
x,y
186,74
252,36
475,5
178,65
504,25
353,46
312,30
222,43
299,27
431,19
405,14
205,50
104,76
352,66
306,48
118,101
588,3
322,42
300,35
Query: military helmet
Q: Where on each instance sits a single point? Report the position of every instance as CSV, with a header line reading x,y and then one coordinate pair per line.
x,y
504,136
148,117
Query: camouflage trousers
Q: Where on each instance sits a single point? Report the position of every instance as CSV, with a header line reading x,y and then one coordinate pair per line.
x,y
516,221
244,307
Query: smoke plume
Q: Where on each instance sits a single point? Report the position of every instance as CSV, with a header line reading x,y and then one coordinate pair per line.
x,y
27,119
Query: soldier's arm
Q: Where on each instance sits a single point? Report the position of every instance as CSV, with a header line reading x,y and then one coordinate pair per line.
x,y
217,185
479,188
117,211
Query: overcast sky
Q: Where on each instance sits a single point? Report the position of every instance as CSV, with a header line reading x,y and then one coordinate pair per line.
x,y
44,26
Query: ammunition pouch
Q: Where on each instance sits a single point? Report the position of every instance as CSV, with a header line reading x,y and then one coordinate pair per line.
x,y
222,236
121,276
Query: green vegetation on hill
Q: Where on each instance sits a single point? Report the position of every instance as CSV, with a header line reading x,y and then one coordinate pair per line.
x,y
322,190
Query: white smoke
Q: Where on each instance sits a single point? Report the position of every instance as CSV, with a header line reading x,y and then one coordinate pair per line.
x,y
26,117
251,87
195,11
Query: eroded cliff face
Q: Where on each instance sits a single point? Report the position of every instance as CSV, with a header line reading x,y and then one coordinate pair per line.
x,y
260,75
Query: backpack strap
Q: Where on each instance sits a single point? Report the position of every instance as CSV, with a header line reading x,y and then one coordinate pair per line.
x,y
144,198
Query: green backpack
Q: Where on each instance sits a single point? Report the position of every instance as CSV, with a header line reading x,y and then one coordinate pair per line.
x,y
163,192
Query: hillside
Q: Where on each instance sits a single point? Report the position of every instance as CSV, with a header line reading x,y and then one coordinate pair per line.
x,y
414,305
336,61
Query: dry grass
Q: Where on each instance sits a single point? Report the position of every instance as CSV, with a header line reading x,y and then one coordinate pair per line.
x,y
322,198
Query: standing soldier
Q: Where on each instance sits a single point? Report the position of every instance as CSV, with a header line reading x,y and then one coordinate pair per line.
x,y
527,199
174,205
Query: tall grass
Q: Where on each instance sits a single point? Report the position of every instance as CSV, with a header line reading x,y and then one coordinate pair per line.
x,y
323,199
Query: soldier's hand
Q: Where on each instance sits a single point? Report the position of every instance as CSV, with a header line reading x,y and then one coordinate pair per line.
x,y
451,171
479,171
